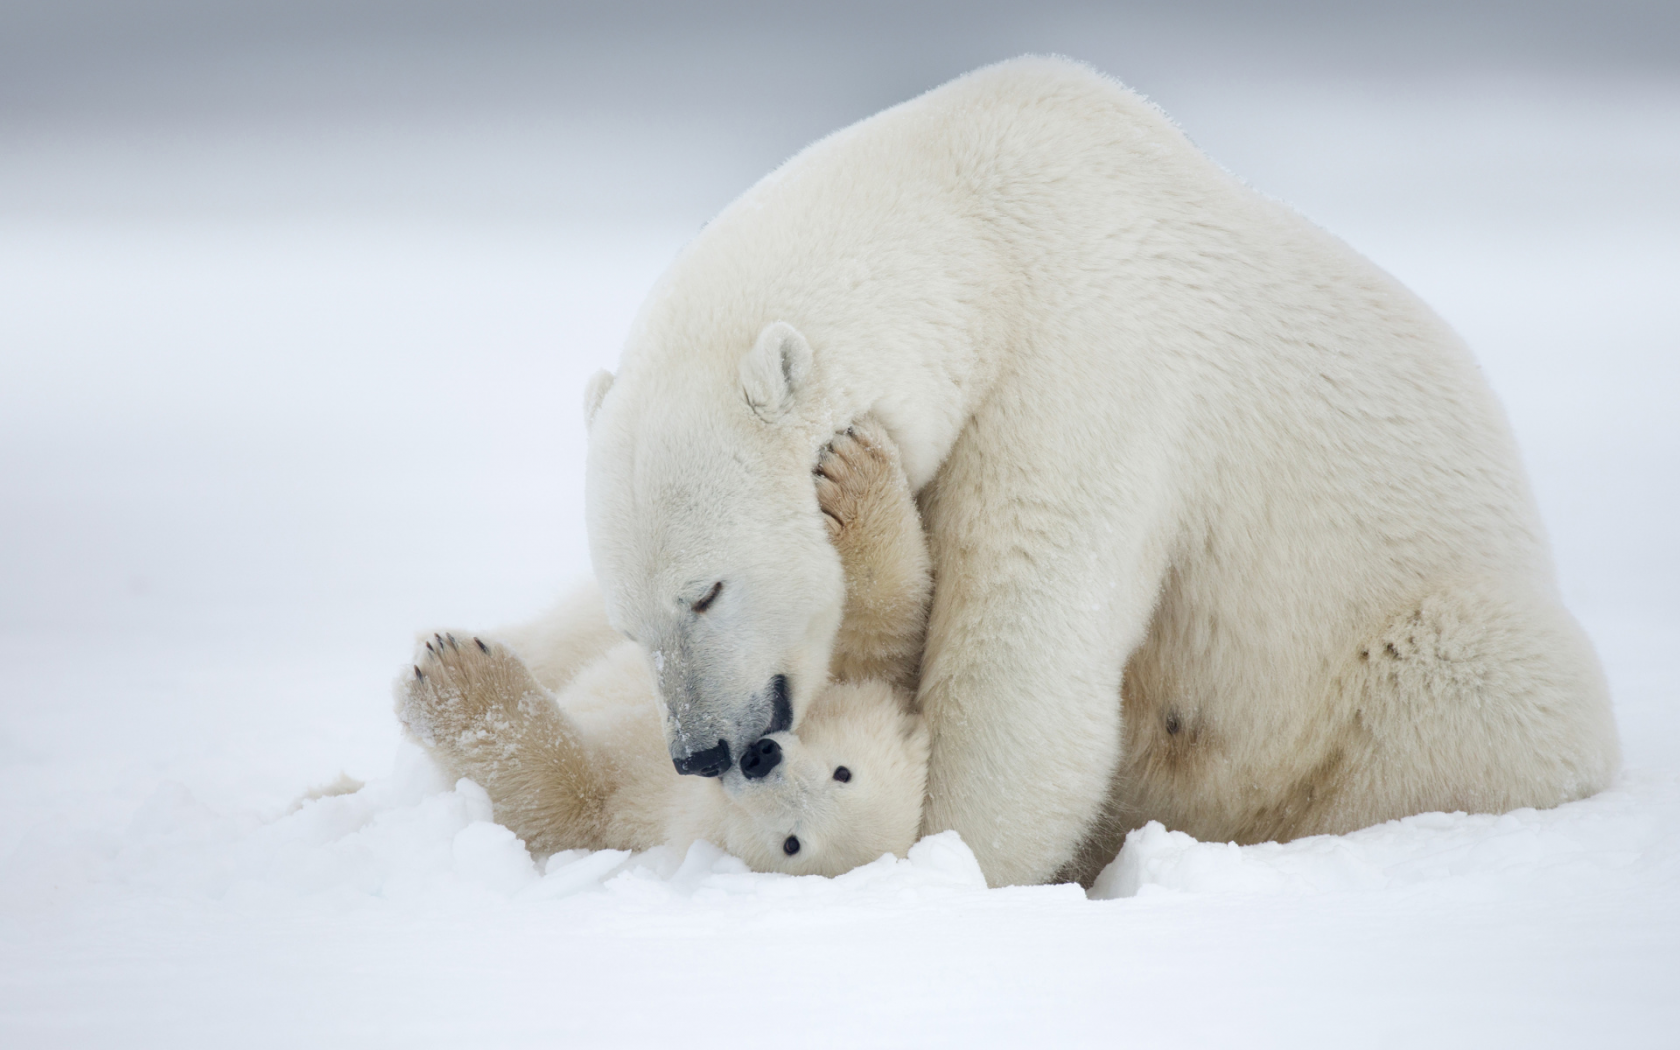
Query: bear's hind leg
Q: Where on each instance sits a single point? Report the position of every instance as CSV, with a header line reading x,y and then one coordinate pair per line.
x,y
479,712
1472,699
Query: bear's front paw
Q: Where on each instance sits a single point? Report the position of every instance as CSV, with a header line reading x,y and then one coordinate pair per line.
x,y
858,477
462,695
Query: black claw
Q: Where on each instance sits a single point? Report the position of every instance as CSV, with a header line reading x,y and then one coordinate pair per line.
x,y
450,639
418,675
429,649
481,646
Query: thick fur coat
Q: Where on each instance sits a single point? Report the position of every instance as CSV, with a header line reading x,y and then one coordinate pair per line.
x,y
1228,529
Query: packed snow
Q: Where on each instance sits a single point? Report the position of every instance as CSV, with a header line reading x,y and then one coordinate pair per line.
x,y
245,457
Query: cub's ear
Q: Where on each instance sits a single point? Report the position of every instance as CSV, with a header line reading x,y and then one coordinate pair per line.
x,y
774,370
594,394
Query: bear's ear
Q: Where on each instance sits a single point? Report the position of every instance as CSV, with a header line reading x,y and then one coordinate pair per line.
x,y
774,370
594,394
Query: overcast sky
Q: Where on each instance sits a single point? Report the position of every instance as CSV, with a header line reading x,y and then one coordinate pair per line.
x,y
617,109
113,60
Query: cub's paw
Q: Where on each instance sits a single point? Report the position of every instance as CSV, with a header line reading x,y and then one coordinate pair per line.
x,y
860,484
876,530
465,693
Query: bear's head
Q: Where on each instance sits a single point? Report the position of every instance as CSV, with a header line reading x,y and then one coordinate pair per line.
x,y
844,790
708,543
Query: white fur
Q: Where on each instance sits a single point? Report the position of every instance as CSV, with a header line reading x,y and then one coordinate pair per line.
x,y
773,371
1158,423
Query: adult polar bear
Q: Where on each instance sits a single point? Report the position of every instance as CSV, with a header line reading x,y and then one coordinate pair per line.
x,y
1228,530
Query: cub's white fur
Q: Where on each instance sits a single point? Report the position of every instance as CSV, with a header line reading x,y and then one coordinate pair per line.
x,y
587,768
1228,529
568,742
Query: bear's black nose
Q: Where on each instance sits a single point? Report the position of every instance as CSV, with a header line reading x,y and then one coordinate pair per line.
x,y
712,762
760,759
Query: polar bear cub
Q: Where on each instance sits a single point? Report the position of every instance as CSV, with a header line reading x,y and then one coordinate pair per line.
x,y
582,762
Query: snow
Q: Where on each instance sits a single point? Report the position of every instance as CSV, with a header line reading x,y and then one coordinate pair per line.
x,y
1618,839
248,452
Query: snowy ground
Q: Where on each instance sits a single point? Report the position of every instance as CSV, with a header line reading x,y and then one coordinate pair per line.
x,y
246,452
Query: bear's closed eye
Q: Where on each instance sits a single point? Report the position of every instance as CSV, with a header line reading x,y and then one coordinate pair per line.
x,y
711,596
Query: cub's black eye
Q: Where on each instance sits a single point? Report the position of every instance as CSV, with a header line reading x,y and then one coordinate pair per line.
x,y
791,846
711,596
842,774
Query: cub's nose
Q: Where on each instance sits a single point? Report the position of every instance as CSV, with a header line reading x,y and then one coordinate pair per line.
x,y
712,762
760,759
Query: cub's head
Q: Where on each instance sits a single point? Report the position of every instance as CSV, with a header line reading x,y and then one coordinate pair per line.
x,y
708,543
845,790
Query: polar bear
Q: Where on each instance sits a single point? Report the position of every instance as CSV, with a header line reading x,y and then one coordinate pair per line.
x,y
589,768
1228,529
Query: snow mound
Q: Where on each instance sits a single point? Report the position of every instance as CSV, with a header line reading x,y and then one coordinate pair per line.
x,y
1606,837
401,914
412,838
